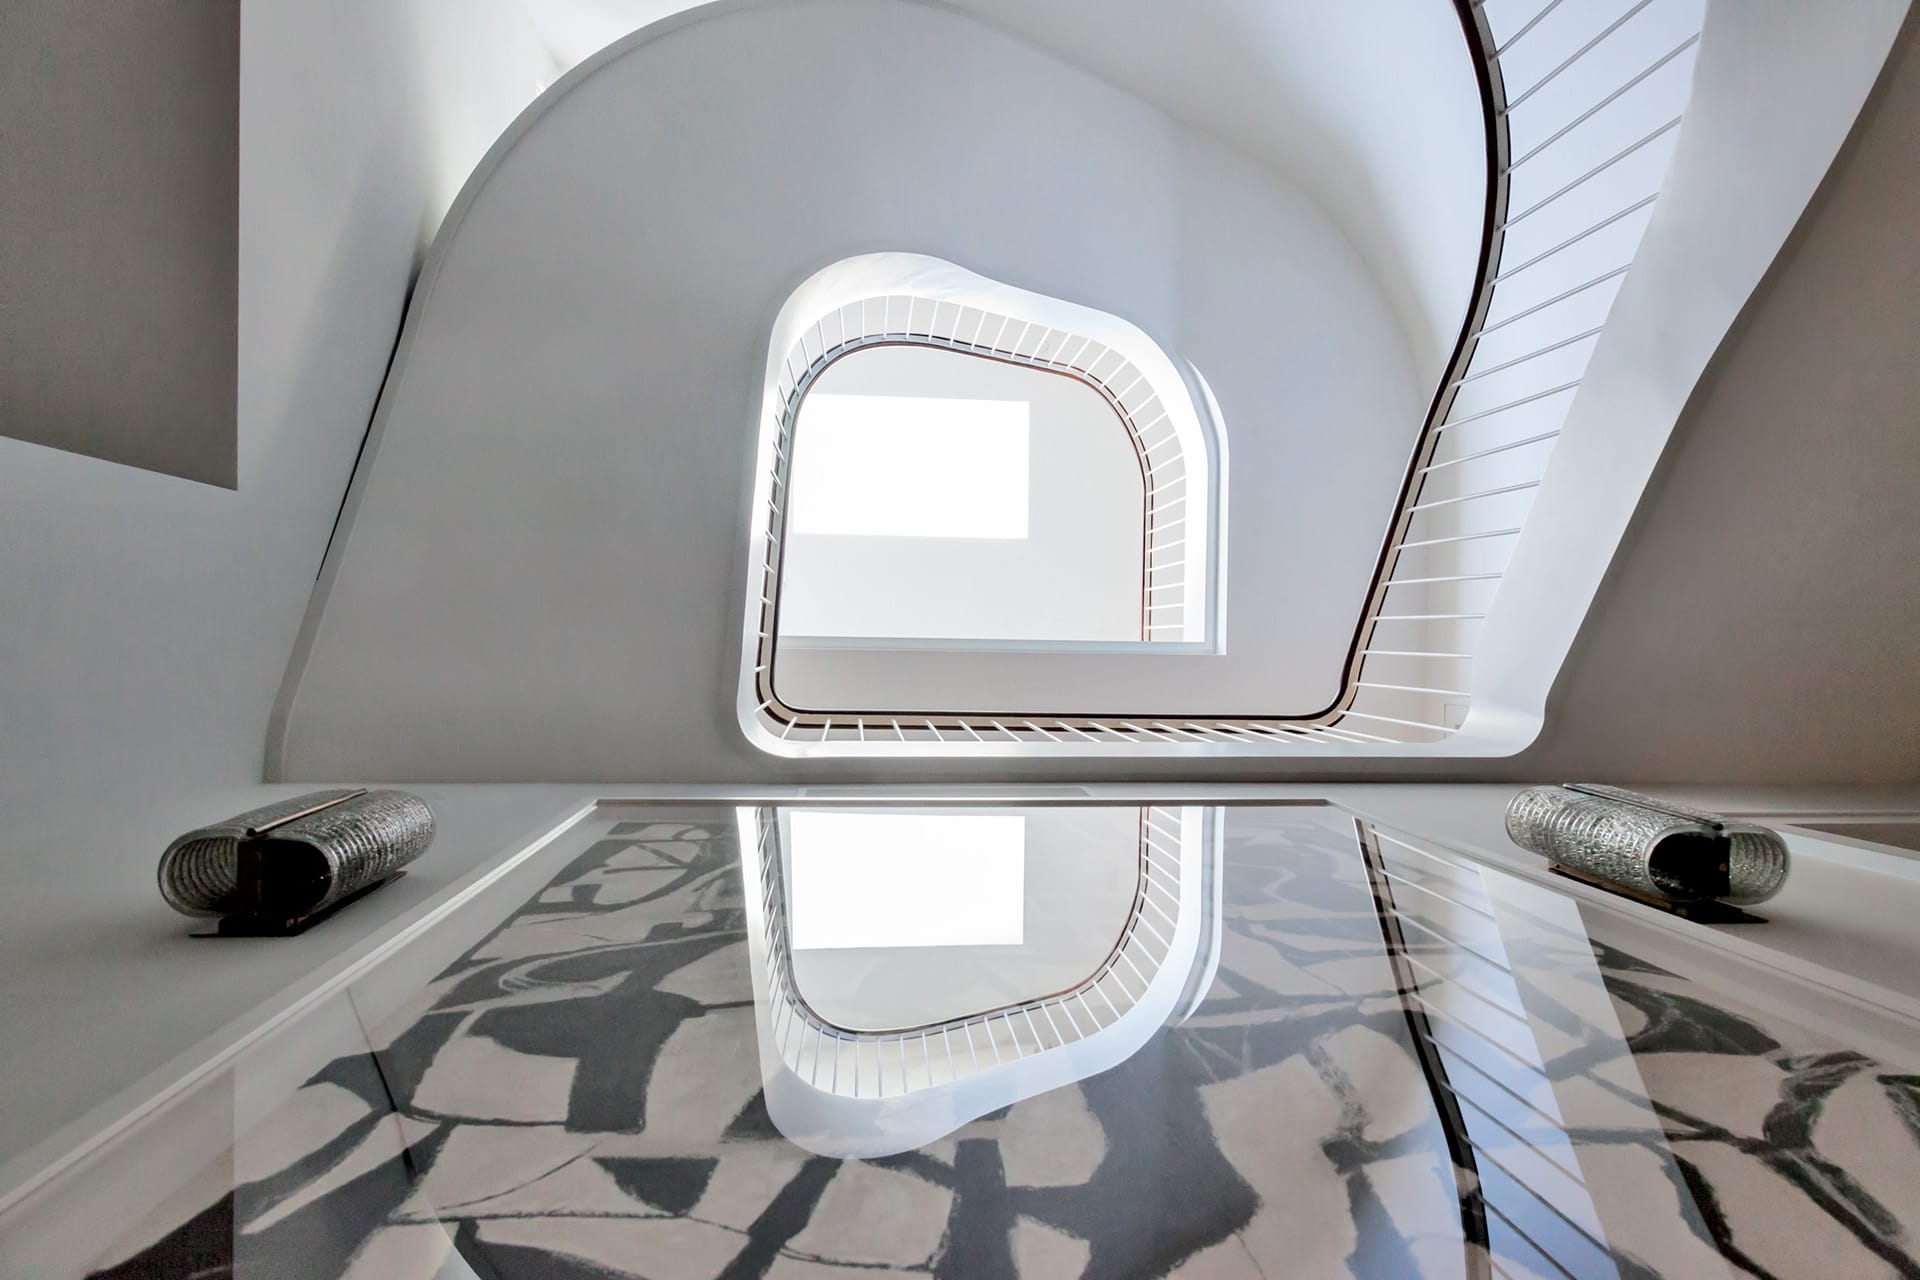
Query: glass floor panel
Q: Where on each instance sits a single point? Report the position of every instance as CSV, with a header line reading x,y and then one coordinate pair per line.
x,y
1277,1040
912,916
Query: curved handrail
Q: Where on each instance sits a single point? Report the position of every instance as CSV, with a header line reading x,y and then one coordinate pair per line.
x,y
1164,468
1498,144
1382,701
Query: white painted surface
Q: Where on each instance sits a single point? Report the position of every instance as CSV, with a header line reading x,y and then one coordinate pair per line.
x,y
1581,190
459,507
575,30
1372,109
1758,624
1713,236
558,485
145,620
1373,112
473,67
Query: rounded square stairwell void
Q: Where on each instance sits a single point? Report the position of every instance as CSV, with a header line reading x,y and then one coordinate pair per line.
x,y
970,473
941,498
900,919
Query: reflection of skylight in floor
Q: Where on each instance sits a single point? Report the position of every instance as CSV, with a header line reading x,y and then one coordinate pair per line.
x,y
906,880
911,467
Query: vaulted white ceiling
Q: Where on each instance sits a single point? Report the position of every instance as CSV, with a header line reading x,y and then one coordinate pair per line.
x,y
571,401
1372,110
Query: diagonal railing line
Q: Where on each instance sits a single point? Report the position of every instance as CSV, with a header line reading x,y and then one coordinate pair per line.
x,y
1508,455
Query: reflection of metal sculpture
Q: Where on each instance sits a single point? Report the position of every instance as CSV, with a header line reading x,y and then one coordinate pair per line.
x,y
278,867
1649,847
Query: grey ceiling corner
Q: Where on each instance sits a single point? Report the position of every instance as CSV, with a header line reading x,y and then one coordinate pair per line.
x,y
119,231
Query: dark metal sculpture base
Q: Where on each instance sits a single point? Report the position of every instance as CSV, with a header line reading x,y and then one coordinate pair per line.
x,y
1706,911
259,927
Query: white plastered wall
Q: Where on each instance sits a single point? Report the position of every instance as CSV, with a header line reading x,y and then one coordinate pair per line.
x,y
1780,88
558,482
1320,92
145,620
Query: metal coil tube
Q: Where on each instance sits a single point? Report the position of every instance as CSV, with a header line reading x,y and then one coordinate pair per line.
x,y
1649,846
313,851
363,840
199,873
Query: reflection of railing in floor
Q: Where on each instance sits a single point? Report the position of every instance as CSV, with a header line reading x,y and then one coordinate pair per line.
x,y
865,1064
1522,1197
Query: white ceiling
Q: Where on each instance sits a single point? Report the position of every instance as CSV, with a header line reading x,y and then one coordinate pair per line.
x,y
563,445
1372,110
577,29
506,607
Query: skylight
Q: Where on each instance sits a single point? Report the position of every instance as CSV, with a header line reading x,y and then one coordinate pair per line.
x,y
939,496
911,467
861,880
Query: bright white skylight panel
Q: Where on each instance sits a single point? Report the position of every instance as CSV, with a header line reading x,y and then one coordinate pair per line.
x,y
906,880
911,467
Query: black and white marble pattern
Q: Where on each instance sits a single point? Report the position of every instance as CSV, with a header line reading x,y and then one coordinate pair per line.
x,y
580,1097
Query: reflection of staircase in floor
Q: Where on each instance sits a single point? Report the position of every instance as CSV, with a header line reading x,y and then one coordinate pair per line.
x,y
884,1064
1522,1195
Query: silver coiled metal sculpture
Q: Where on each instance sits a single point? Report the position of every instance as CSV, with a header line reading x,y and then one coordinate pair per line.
x,y
292,860
1649,846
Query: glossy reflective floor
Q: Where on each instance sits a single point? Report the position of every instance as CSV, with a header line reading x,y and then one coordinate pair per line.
x,y
1386,1060
908,916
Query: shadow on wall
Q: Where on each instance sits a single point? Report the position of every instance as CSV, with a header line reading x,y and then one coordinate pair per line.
x,y
119,236
1757,625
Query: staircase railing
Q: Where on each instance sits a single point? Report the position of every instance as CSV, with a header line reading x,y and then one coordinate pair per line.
x,y
1575,162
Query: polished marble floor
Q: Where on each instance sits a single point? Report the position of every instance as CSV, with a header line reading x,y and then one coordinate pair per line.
x,y
1398,1063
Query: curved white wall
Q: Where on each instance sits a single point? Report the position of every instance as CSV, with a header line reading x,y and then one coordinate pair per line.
x,y
547,536
1371,109
145,621
1777,92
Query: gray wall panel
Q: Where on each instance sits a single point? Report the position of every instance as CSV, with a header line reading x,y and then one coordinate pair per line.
x,y
119,230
